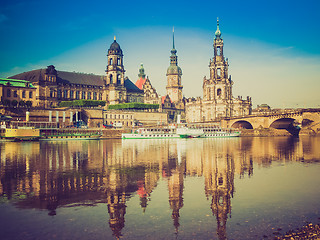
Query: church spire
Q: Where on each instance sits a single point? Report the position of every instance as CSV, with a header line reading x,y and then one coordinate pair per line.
x,y
173,37
173,51
218,33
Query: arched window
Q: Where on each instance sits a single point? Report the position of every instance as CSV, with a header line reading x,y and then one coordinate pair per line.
x,y
118,63
110,61
219,92
118,79
218,73
111,79
218,51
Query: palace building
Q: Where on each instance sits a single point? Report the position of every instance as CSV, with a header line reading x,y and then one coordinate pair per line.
x,y
54,86
217,101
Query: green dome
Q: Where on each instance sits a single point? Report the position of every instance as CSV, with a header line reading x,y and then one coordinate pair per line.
x,y
218,33
173,69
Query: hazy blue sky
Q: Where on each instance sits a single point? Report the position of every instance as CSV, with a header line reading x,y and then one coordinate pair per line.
x,y
273,46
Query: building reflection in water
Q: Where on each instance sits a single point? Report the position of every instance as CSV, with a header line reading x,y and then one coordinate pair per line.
x,y
49,175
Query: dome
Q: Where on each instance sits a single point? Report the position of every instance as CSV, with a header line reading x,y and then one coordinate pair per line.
x,y
173,69
115,48
218,33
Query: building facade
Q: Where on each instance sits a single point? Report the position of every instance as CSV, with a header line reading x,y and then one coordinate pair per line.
x,y
217,102
143,83
53,86
18,91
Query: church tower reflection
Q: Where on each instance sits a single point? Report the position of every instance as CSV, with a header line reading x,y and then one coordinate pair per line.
x,y
176,172
175,188
116,201
219,184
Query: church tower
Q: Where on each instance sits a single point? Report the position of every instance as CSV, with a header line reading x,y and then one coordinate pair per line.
x,y
174,73
219,87
115,75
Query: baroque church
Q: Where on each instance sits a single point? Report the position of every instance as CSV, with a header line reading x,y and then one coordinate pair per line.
x,y
217,101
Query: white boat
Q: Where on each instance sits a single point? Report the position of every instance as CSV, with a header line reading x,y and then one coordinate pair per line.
x,y
155,133
187,132
216,132
180,132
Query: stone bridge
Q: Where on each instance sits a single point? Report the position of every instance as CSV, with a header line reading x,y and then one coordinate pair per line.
x,y
307,118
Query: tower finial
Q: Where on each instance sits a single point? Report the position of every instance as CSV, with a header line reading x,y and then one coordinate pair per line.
x,y
173,36
115,37
218,33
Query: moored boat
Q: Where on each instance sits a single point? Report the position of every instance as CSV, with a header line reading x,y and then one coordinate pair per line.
x,y
69,134
19,134
217,132
187,132
151,133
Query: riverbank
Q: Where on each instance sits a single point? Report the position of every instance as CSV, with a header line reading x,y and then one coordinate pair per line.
x,y
264,132
310,231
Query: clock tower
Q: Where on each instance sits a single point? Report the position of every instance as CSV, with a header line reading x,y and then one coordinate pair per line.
x,y
174,73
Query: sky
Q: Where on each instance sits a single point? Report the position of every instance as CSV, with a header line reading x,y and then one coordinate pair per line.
x,y
272,46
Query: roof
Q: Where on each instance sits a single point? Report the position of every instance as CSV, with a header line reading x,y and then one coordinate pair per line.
x,y
131,87
72,78
79,78
62,77
163,98
16,83
140,82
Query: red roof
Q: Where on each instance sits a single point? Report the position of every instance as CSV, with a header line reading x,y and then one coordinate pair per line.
x,y
140,82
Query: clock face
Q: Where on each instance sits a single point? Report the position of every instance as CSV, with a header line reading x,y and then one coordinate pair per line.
x,y
175,91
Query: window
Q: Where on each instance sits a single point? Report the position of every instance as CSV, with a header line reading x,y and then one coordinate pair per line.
x,y
51,93
30,94
218,73
15,94
219,92
8,93
219,51
94,96
83,95
111,79
65,93
118,61
110,61
77,95
71,94
59,93
118,79
100,96
89,96
23,94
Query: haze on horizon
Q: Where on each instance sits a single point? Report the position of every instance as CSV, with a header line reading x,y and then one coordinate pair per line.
x,y
272,47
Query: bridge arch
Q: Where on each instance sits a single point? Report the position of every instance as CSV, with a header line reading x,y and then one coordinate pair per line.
x,y
242,124
282,123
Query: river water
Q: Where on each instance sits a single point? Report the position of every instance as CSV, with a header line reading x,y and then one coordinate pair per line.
x,y
227,188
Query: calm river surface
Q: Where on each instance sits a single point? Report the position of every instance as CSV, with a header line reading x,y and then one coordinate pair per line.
x,y
232,188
